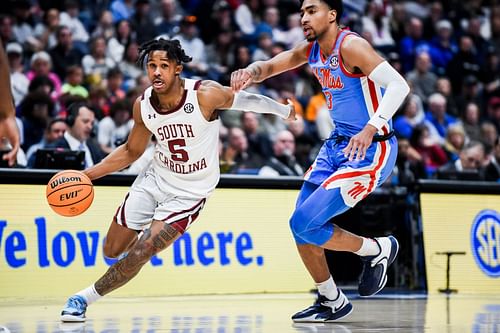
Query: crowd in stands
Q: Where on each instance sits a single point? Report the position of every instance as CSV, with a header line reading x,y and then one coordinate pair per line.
x,y
66,51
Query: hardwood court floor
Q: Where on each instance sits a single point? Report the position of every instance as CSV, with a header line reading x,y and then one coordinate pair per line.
x,y
256,314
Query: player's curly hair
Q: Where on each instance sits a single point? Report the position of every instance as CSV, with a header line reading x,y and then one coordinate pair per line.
x,y
171,46
336,5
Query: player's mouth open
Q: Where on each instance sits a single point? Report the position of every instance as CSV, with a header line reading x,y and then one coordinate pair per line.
x,y
158,83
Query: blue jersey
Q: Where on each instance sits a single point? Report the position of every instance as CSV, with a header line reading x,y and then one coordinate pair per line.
x,y
351,99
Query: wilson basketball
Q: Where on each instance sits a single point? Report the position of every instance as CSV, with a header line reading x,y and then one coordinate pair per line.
x,y
69,193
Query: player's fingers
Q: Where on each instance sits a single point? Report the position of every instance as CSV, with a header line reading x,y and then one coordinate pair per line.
x,y
10,157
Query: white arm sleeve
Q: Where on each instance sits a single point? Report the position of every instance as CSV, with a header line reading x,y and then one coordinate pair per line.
x,y
244,101
396,90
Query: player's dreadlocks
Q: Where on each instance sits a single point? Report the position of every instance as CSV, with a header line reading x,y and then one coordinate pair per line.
x,y
171,46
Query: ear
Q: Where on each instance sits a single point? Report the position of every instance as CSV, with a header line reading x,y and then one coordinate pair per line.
x,y
178,69
332,17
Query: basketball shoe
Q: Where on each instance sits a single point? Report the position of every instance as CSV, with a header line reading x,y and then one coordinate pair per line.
x,y
74,310
325,310
374,275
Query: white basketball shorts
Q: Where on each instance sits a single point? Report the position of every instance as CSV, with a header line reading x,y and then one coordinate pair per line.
x,y
146,202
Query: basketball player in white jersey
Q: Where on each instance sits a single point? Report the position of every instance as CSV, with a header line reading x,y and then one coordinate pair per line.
x,y
167,197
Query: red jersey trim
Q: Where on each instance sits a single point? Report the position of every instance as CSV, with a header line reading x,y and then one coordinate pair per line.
x,y
155,103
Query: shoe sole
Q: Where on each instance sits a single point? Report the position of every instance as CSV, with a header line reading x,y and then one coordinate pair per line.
x,y
390,260
348,307
71,319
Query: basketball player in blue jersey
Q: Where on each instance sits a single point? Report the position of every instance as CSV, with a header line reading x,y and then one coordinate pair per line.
x,y
169,194
8,127
362,92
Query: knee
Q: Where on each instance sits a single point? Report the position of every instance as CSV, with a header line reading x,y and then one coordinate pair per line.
x,y
142,252
298,223
111,250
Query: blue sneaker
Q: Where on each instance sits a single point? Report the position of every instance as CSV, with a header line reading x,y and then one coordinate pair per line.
x,y
325,310
374,275
74,310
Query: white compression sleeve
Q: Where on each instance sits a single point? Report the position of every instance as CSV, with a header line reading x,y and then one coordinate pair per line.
x,y
244,101
396,90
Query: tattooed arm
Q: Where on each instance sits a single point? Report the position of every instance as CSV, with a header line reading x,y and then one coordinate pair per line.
x,y
153,240
261,70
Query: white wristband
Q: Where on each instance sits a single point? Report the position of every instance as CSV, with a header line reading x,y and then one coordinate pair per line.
x,y
244,101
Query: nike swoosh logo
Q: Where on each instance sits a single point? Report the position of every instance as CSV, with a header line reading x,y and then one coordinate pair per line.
x,y
340,307
383,262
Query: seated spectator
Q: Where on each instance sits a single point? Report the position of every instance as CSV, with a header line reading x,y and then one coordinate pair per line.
x,y
305,143
114,85
437,120
258,142
80,120
168,21
455,141
471,159
194,46
41,65
73,85
45,31
128,66
421,78
113,130
411,116
236,158
18,80
470,121
283,162
492,170
443,86
54,131
431,153
65,53
97,63
489,134
70,18
409,165
36,110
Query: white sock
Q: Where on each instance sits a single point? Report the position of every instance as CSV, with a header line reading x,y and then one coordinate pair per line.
x,y
90,294
369,247
328,288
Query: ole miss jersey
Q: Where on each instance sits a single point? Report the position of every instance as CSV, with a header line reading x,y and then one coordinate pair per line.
x,y
351,98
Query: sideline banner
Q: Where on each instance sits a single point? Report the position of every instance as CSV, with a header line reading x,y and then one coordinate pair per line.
x,y
240,244
467,223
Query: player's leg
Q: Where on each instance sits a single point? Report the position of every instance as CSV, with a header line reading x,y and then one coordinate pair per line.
x,y
119,239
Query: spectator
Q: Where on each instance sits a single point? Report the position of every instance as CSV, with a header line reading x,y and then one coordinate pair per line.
x,y
220,56
105,27
236,158
471,158
294,34
64,54
471,92
283,162
6,30
18,80
128,66
141,21
397,22
41,65
376,26
431,22
489,134
493,112
442,47
168,23
73,85
245,17
97,63
409,165
54,131
431,154
412,115
113,130
77,137
305,143
194,46
470,120
412,44
258,142
492,170
114,85
36,110
70,18
24,25
264,47
437,119
121,9
270,25
116,45
455,141
422,80
465,62
443,86
45,31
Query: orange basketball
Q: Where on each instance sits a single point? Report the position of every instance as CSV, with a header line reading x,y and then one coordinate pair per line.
x,y
69,193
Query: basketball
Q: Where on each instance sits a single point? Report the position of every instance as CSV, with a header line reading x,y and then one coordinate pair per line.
x,y
69,193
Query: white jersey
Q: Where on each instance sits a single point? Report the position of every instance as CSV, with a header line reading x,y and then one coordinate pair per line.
x,y
186,156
